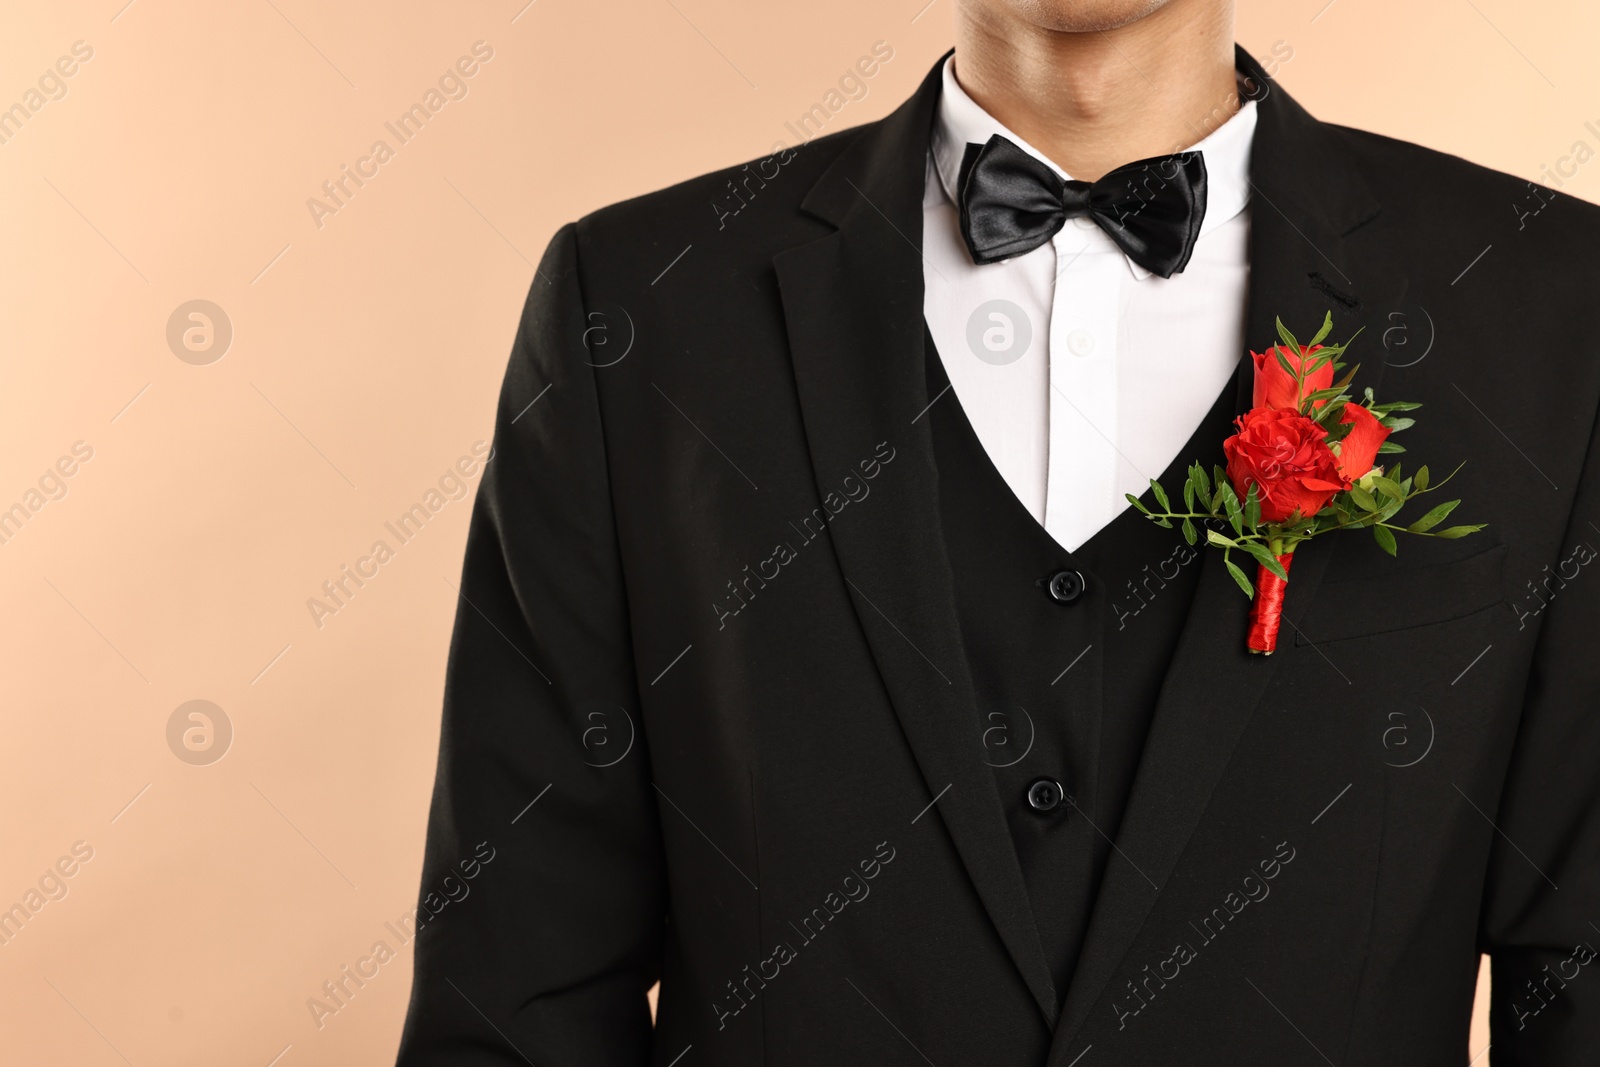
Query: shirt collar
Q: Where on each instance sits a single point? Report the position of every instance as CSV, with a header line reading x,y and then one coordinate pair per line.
x,y
960,121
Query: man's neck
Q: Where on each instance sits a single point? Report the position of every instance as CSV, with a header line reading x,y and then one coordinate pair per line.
x,y
1093,101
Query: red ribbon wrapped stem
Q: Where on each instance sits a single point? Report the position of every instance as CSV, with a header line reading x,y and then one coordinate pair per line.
x,y
1266,611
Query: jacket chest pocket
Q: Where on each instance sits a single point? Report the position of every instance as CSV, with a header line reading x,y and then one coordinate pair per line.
x,y
1393,605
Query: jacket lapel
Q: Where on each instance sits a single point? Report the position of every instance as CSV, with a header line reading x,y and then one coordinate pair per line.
x,y
852,304
1306,199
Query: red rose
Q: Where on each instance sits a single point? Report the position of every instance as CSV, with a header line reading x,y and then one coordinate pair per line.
x,y
1360,446
1285,455
1275,387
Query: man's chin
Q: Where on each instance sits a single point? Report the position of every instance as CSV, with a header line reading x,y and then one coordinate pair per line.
x,y
1085,16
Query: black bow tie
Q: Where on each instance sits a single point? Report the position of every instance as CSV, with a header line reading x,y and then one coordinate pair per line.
x,y
1012,203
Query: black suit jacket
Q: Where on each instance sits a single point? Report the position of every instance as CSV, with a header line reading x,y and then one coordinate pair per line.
x,y
706,701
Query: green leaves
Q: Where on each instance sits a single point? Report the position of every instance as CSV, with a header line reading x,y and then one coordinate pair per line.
x,y
1382,410
1257,551
1288,338
1260,554
1321,358
1224,499
1384,538
1433,518
1161,498
1200,486
1235,512
1389,487
1238,576
1159,520
1213,506
1322,405
1327,328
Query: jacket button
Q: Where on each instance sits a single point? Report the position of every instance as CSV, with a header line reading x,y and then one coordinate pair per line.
x,y
1045,795
1066,586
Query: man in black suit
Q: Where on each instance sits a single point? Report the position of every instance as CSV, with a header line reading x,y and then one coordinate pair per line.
x,y
800,670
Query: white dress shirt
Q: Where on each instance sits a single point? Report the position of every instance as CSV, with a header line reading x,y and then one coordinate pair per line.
x,y
1082,373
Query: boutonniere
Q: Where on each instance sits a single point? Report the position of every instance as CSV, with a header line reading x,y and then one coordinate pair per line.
x,y
1302,464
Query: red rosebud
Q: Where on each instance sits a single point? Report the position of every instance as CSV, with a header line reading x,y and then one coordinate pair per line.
x,y
1285,455
1275,387
1360,446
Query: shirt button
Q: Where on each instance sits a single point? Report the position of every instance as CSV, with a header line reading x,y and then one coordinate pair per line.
x,y
1045,795
1080,342
1066,586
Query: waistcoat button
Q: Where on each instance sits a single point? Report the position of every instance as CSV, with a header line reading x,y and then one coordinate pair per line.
x,y
1066,586
1044,795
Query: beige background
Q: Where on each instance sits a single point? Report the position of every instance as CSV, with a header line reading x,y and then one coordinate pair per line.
x,y
176,165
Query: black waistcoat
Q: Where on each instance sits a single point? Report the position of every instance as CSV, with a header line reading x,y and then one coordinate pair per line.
x,y
1066,683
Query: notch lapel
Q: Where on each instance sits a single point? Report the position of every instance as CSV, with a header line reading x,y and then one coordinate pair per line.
x,y
852,303
1305,200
